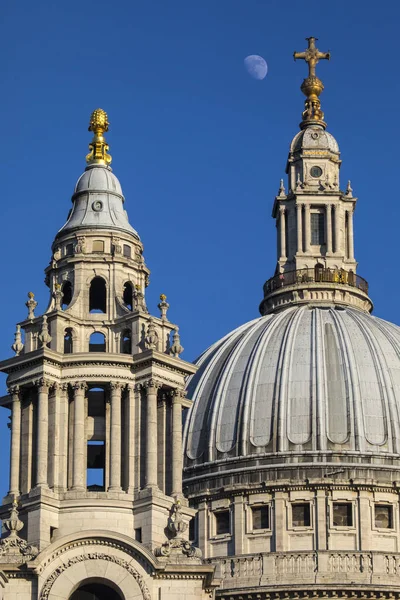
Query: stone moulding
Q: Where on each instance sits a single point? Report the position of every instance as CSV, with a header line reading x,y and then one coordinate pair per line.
x,y
48,584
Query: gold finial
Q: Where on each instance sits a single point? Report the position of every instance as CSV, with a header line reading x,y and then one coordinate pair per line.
x,y
312,86
98,154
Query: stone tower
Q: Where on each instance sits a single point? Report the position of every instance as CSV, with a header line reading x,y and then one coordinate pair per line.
x,y
96,389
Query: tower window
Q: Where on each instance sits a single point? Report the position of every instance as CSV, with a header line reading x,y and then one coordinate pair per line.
x,y
128,294
301,515
95,466
317,229
97,342
98,246
127,251
138,534
342,514
222,522
97,295
383,516
260,515
126,342
69,250
66,294
68,343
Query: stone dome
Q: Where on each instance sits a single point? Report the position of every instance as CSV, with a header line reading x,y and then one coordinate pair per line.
x,y
307,384
98,202
314,138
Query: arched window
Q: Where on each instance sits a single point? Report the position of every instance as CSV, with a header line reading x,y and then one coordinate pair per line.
x,y
66,294
68,343
318,272
97,295
128,293
97,342
126,342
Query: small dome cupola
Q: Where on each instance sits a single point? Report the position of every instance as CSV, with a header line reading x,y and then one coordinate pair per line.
x,y
98,201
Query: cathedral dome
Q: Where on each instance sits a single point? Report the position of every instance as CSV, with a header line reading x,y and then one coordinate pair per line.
x,y
307,384
314,137
98,178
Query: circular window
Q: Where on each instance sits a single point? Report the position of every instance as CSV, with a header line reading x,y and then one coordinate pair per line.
x,y
97,205
316,172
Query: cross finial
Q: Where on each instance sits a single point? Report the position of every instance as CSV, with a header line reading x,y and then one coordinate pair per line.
x,y
312,86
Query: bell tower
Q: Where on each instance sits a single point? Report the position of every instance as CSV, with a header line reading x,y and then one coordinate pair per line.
x,y
314,218
96,389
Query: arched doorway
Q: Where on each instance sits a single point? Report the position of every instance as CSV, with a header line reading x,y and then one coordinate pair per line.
x,y
95,591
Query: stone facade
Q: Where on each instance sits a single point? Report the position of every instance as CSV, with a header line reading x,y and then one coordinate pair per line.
x,y
96,390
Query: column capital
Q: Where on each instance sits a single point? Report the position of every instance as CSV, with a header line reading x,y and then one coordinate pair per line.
x,y
115,386
282,209
43,384
64,386
15,392
178,395
152,383
79,385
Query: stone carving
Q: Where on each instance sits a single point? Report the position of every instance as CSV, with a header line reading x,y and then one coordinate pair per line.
x,y
31,304
163,306
48,584
281,191
116,245
177,546
17,346
57,295
138,299
151,339
176,349
14,549
44,336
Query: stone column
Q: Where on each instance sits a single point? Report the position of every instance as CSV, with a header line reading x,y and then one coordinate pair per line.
x,y
78,455
329,229
130,438
63,470
151,433
337,228
299,208
307,219
164,462
42,432
115,442
282,225
177,397
350,234
15,441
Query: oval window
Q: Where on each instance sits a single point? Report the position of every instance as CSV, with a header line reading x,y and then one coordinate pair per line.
x,y
316,171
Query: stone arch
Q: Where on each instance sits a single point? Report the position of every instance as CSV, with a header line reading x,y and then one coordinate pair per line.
x,y
90,585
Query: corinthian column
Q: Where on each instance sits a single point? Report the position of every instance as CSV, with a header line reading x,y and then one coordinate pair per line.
x,y
15,440
307,220
337,229
115,475
350,234
78,455
42,432
329,228
282,225
177,397
151,434
299,208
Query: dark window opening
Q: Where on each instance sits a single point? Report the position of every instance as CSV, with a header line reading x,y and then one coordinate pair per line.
x,y
138,534
97,342
222,522
95,591
127,251
126,344
128,293
69,250
342,514
317,229
301,515
260,516
66,295
96,402
383,516
193,529
97,295
68,342
95,466
319,272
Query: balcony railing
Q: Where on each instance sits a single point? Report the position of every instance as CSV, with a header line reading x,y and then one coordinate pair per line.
x,y
315,275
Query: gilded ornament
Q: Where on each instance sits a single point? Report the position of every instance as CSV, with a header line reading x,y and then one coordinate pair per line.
x,y
98,154
312,86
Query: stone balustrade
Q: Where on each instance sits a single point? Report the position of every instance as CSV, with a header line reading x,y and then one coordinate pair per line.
x,y
308,567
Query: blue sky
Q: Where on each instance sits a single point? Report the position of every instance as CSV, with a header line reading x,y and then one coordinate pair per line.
x,y
198,145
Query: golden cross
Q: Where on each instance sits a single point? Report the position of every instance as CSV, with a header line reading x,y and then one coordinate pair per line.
x,y
312,55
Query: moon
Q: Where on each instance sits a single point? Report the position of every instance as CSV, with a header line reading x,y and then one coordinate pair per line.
x,y
256,66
